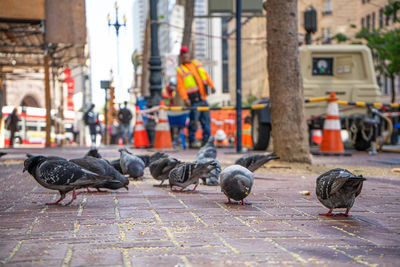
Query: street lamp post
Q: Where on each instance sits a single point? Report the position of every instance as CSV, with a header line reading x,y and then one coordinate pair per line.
x,y
155,60
155,70
116,25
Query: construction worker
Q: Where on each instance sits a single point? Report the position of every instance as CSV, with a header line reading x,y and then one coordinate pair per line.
x,y
247,141
192,82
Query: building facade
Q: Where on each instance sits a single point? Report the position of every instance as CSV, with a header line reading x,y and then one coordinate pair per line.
x,y
333,17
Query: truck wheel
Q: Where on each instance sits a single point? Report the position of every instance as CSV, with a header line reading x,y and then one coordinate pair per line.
x,y
260,133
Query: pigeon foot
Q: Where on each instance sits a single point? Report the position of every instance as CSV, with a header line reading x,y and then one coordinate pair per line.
x,y
329,213
245,203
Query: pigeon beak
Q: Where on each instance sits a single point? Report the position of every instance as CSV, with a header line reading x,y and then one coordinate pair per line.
x,y
24,170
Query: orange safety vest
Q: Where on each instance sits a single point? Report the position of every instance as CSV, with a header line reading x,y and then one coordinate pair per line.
x,y
188,78
247,141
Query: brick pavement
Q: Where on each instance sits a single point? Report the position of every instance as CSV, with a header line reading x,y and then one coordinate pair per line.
x,y
150,226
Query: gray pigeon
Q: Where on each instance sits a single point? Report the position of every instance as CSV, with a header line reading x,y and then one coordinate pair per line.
x,y
208,150
148,159
236,182
93,152
131,164
116,164
212,177
102,167
62,175
338,189
189,173
254,161
160,169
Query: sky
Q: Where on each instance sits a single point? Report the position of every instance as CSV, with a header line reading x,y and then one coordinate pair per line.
x,y
103,47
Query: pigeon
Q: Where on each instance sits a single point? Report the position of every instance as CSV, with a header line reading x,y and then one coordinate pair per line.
x,y
188,173
338,189
93,152
2,154
212,177
61,175
160,169
102,167
208,150
116,164
254,161
28,155
236,183
131,164
148,159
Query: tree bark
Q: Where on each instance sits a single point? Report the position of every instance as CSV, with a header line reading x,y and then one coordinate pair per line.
x,y
289,128
187,31
144,84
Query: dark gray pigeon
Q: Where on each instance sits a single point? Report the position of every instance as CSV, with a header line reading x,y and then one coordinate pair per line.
x,y
338,189
254,161
212,177
160,169
102,167
93,152
188,173
208,150
236,183
148,159
62,175
131,164
116,164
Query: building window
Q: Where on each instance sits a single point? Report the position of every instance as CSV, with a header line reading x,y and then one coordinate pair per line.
x,y
362,23
394,16
368,26
327,7
387,20
381,18
373,21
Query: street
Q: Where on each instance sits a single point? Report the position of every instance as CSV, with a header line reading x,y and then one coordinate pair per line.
x,y
152,226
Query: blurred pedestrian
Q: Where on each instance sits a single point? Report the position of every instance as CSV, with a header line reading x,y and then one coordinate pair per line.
x,y
193,82
113,128
124,117
91,118
12,125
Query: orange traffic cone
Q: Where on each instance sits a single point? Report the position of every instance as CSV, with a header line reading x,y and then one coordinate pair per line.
x,y
120,142
316,136
332,143
140,135
163,134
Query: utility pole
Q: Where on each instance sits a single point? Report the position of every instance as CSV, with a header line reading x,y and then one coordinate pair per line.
x,y
47,96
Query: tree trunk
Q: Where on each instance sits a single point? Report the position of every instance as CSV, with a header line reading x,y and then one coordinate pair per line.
x,y
187,31
289,129
393,88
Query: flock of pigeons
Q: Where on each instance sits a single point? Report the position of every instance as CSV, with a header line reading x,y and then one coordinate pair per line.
x,y
336,188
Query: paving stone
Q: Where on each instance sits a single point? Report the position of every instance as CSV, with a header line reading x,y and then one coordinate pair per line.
x,y
151,226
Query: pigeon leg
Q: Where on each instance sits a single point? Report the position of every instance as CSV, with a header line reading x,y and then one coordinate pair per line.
x,y
229,201
347,212
73,197
194,189
58,201
245,203
329,213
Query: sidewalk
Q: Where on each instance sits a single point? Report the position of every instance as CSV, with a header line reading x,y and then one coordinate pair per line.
x,y
151,226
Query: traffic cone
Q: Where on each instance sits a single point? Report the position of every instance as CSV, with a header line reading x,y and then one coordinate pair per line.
x,y
163,135
316,136
332,143
140,135
120,141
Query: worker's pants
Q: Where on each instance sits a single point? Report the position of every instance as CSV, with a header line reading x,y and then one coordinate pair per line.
x,y
204,117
